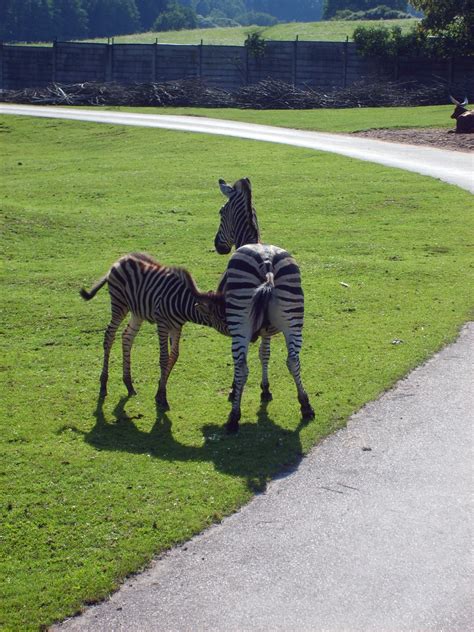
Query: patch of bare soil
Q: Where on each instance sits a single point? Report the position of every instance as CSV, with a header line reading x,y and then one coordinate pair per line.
x,y
441,138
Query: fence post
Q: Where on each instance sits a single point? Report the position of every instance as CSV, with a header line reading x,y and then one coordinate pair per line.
x,y
295,61
109,62
247,63
200,59
344,62
1,65
54,61
153,61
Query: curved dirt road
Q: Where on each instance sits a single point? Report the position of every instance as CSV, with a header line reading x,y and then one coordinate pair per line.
x,y
453,167
372,533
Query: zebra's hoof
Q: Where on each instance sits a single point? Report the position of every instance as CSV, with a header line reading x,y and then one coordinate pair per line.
x,y
266,396
162,402
131,392
307,413
232,427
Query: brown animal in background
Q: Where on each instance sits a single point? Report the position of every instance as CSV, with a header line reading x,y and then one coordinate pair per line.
x,y
464,117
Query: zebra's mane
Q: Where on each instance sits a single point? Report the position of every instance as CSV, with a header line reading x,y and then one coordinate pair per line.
x,y
190,283
247,192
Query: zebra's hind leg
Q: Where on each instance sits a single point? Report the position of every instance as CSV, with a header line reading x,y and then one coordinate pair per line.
x,y
293,343
128,337
264,353
109,337
240,346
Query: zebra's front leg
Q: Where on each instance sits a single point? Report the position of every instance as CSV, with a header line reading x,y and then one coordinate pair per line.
x,y
128,337
175,336
264,354
160,396
293,344
239,352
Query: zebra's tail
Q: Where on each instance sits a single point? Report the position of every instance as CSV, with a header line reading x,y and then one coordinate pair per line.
x,y
260,302
88,295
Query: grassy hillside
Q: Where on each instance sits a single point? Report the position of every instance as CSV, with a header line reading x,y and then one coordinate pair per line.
x,y
335,31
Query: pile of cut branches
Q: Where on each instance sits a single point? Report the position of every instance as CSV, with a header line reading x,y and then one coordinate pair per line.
x,y
275,95
170,94
265,95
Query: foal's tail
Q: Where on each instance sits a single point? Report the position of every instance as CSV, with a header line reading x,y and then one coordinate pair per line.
x,y
88,295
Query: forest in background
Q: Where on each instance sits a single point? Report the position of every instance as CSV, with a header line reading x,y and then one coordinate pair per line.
x,y
46,20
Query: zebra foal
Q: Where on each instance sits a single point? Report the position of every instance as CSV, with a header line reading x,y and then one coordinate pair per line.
x,y
263,296
162,295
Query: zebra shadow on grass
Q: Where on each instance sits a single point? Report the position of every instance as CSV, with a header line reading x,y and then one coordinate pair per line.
x,y
259,452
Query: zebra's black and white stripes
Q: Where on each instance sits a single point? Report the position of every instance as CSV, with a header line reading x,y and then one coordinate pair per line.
x,y
159,294
263,296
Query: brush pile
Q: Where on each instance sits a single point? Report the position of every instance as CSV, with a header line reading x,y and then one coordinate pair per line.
x,y
265,95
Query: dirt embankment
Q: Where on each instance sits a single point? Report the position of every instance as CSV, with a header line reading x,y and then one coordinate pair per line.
x,y
441,138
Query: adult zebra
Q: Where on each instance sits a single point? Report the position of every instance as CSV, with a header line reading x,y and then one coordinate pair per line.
x,y
263,296
159,294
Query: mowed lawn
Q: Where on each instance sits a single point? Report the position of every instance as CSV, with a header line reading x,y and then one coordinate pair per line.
x,y
323,120
89,494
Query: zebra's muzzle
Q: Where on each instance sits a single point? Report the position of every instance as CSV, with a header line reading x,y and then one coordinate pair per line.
x,y
221,248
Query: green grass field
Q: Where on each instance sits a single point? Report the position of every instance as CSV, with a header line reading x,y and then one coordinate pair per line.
x,y
331,31
324,120
89,493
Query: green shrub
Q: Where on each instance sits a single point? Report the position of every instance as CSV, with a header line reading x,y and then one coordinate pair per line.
x,y
175,18
255,43
382,12
378,41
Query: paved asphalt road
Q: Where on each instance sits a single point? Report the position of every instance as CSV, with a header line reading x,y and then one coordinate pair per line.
x,y
450,166
373,531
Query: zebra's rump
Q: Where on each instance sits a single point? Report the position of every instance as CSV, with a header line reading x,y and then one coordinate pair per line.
x,y
263,288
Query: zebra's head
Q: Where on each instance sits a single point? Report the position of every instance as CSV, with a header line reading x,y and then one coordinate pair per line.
x,y
238,225
211,307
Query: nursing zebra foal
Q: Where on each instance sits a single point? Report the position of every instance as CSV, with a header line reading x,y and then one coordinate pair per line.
x,y
159,294
263,296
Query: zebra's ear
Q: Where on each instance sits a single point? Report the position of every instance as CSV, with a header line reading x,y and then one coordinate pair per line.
x,y
225,188
203,307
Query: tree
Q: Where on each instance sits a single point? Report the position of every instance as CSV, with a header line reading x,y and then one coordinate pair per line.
x,y
112,17
149,10
175,18
452,20
70,19
26,20
331,7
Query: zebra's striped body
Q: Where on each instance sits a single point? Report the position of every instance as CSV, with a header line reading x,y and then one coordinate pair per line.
x,y
263,296
159,294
